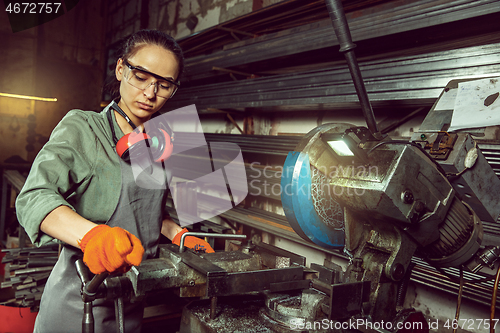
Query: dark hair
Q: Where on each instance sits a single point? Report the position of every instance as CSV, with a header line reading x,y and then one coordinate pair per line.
x,y
133,43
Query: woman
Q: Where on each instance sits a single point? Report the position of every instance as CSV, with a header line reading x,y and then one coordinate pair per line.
x,y
81,192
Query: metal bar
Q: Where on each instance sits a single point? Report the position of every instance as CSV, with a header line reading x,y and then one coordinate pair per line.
x,y
294,258
220,69
400,122
236,31
234,123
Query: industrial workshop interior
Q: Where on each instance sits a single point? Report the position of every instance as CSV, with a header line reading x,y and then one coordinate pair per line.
x,y
340,158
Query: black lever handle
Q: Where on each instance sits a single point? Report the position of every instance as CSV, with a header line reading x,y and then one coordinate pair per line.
x,y
339,21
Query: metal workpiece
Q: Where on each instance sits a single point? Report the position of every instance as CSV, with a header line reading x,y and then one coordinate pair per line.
x,y
268,250
274,257
234,261
252,281
162,273
329,275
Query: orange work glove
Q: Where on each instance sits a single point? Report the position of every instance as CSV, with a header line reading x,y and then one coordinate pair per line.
x,y
110,249
195,243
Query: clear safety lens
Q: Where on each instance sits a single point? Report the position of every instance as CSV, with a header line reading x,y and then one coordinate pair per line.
x,y
142,80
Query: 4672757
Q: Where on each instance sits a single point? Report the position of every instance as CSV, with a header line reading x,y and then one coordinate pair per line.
x,y
33,7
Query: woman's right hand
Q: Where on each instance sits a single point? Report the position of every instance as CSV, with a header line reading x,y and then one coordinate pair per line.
x,y
111,249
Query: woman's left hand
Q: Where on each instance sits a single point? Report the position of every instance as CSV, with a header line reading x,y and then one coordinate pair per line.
x,y
195,243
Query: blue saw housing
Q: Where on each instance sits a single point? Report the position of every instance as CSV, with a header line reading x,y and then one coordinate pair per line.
x,y
298,205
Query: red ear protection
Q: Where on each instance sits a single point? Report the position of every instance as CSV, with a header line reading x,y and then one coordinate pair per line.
x,y
157,141
128,141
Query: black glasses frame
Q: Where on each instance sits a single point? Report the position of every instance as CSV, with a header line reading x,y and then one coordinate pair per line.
x,y
177,84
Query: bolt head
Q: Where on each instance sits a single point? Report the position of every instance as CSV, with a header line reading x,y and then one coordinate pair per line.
x,y
407,197
397,272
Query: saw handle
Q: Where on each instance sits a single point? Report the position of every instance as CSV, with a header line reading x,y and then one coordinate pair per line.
x,y
339,22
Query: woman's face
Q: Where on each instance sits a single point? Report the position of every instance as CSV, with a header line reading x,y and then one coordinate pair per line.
x,y
141,104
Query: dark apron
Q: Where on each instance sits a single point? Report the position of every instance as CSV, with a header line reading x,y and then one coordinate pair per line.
x,y
140,211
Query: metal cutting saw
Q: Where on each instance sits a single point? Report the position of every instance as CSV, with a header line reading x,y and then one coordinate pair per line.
x,y
384,201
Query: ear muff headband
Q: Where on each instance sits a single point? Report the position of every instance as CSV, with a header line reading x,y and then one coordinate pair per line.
x,y
158,140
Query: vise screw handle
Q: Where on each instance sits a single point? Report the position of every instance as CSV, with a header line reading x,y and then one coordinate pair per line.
x,y
89,292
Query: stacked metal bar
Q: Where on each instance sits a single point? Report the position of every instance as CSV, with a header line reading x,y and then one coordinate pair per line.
x,y
411,80
261,144
477,287
29,269
387,19
277,17
492,154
